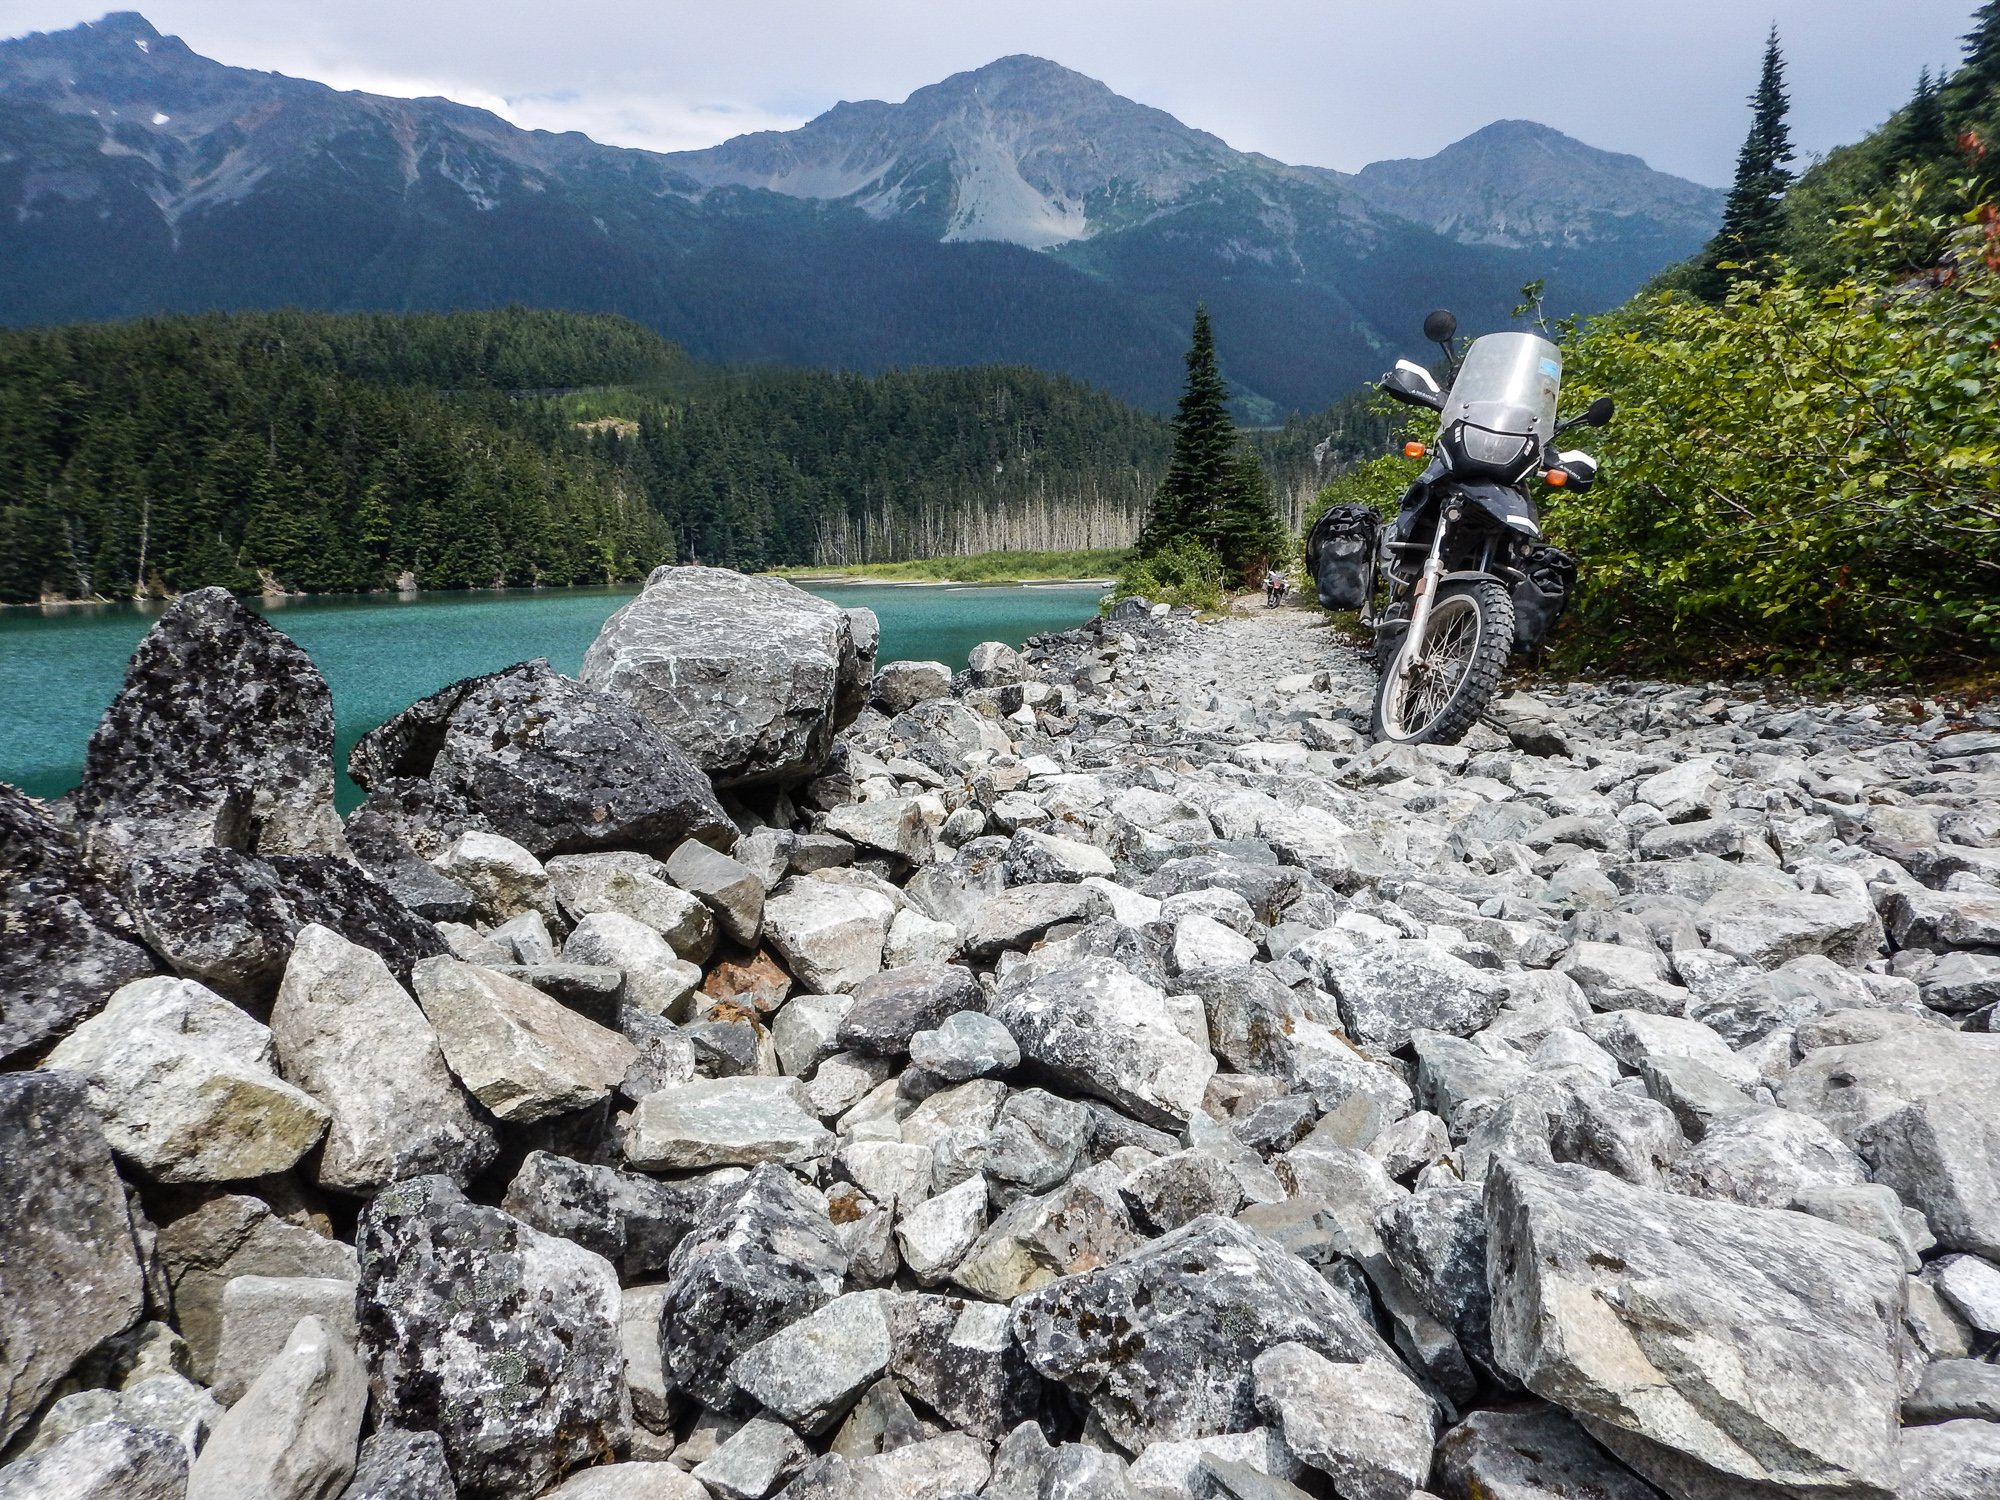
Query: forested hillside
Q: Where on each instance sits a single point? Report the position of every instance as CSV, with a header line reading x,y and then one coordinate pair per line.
x,y
318,452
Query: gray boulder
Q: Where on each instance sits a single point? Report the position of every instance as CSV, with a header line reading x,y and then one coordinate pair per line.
x,y
1766,1158
523,1381
67,941
259,1314
730,889
901,685
830,936
1178,1189
633,885
1922,1107
809,1373
1954,1388
519,1053
959,1358
1365,1424
553,765
294,1433
1161,1343
759,1260
1099,1030
222,734
379,845
396,1464
1436,1240
352,1037
69,1270
892,1006
111,1459
750,676
1951,1461
1388,990
1038,1141
1721,1351
755,1460
1251,1016
228,919
231,1237
965,1044
718,1122
1018,917
632,1221
1530,1455
187,1085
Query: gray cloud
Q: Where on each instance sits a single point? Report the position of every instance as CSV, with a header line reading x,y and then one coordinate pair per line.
x,y
1335,83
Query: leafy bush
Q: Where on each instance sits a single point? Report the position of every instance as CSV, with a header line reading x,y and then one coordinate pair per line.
x,y
1183,572
1801,475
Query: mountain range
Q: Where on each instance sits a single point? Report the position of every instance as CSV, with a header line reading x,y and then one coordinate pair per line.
x,y
1018,213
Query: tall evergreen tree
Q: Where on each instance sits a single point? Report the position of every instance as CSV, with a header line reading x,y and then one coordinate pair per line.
x,y
1753,221
1248,534
1916,134
1969,98
1189,500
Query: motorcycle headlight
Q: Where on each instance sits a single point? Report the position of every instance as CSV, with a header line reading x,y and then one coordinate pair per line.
x,y
1493,450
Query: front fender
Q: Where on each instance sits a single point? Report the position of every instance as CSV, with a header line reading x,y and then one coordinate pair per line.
x,y
1508,505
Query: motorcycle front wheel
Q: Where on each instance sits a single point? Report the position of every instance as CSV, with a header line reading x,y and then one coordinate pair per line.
x,y
1433,690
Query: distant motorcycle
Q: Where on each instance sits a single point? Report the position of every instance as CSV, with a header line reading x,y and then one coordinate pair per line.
x,y
1466,574
1275,589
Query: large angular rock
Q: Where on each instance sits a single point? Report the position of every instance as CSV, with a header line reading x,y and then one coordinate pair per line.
x,y
1388,990
637,886
523,1380
69,1269
895,826
557,767
293,1435
1922,1106
380,846
1951,1461
760,1259
1078,1227
1366,1425
259,1314
1019,917
1098,1029
959,1358
187,1087
936,1234
731,889
750,676
1530,1455
111,1459
1721,1351
396,1464
1943,919
901,685
1252,1018
228,1238
1436,1240
352,1037
1161,1343
1831,914
808,1374
1180,1468
965,1044
222,734
165,1402
1766,1158
830,936
656,979
753,1461
632,1221
720,1122
228,919
522,1055
892,1006
66,940
630,1481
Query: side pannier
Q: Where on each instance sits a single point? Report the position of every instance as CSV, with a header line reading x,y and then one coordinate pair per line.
x,y
1341,553
1549,577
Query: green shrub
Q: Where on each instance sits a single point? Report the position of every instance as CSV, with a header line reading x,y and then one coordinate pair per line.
x,y
1801,476
1183,572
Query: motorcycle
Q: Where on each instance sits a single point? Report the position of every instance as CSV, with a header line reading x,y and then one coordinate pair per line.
x,y
1274,592
1461,578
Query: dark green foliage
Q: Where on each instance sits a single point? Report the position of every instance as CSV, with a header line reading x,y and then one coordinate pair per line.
x,y
340,452
1972,96
1248,534
1753,218
305,450
1190,498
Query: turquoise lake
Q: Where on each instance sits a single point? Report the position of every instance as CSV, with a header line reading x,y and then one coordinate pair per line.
x,y
60,667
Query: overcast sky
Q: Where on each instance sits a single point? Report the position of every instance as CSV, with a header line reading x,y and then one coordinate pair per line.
x,y
1335,83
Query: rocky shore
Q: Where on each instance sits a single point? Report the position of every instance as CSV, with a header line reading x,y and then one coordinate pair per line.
x,y
748,1070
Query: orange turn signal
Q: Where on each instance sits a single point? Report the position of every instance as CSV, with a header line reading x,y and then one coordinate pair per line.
x,y
1557,478
1413,450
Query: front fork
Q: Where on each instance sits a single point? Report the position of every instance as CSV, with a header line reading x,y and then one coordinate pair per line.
x,y
1426,592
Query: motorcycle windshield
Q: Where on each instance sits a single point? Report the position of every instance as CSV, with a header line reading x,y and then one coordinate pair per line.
x,y
1508,384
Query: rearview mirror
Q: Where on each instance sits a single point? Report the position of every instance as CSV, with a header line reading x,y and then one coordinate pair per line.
x,y
1599,412
1440,326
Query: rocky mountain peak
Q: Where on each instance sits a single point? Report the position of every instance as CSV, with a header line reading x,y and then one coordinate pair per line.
x,y
1516,183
